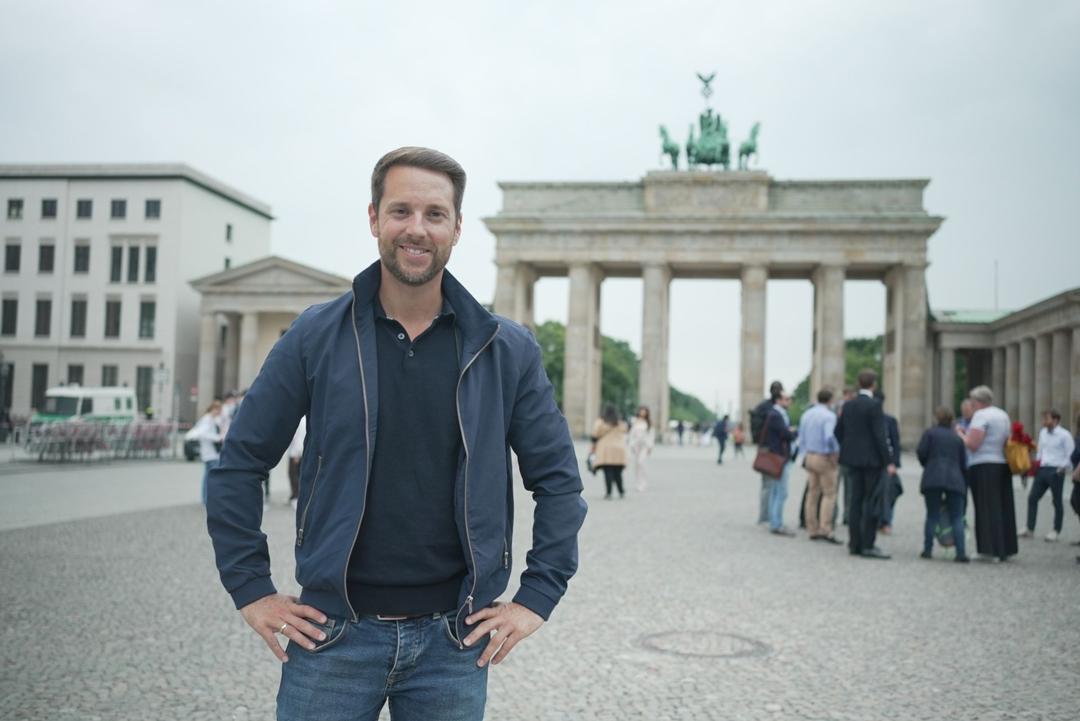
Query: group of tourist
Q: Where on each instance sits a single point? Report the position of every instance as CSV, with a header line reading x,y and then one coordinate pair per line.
x,y
858,443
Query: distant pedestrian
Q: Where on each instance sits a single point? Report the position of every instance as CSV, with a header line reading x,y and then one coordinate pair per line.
x,y
891,487
720,433
640,443
680,428
943,486
738,437
777,437
865,451
207,431
844,490
758,416
1056,447
817,440
609,446
294,454
989,477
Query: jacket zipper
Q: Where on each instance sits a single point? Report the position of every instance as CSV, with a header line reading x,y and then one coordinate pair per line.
x,y
367,452
307,506
465,502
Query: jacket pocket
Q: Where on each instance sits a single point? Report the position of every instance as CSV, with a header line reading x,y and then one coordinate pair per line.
x,y
307,506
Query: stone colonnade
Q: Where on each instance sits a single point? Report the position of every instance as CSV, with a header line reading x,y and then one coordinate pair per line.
x,y
741,225
1029,358
905,335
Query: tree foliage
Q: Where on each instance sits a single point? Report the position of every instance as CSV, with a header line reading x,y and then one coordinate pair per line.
x,y
859,353
618,375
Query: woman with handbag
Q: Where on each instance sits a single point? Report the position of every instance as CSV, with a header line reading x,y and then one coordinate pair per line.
x,y
773,461
609,449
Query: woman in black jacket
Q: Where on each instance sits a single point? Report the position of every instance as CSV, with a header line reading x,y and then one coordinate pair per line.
x,y
941,453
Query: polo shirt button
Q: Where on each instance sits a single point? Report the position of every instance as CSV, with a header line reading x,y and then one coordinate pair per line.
x,y
401,336
411,354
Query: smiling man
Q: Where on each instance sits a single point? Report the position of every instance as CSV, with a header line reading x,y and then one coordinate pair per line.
x,y
415,396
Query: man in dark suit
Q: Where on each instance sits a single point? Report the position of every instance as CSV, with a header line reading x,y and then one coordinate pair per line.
x,y
864,450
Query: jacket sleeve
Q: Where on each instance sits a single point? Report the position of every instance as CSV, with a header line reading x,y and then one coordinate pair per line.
x,y
259,435
539,435
923,451
894,440
877,428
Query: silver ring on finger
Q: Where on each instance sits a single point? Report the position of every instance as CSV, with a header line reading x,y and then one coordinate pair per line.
x,y
283,627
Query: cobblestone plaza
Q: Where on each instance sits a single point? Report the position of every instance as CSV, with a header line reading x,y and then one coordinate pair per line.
x,y
682,608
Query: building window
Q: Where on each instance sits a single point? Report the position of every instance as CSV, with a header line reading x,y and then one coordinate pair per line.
x,y
46,257
14,208
110,376
116,263
78,318
9,317
48,208
43,318
147,311
75,374
118,209
144,383
153,209
82,258
133,264
151,264
84,208
7,384
228,263
39,383
12,257
112,319
228,232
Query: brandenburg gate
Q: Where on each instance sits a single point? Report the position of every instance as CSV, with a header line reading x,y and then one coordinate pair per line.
x,y
726,224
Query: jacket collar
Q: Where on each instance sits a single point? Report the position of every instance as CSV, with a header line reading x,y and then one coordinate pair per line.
x,y
477,324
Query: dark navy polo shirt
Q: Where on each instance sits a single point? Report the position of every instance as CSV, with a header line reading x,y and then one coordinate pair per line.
x,y
408,558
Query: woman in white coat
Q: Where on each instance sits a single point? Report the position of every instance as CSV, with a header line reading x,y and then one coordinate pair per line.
x,y
207,430
640,440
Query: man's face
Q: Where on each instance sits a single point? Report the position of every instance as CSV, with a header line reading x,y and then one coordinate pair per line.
x,y
785,400
415,224
1049,422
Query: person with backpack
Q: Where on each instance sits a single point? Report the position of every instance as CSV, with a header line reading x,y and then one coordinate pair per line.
x,y
758,415
943,486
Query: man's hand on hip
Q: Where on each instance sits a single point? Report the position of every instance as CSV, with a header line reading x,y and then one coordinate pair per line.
x,y
275,614
506,624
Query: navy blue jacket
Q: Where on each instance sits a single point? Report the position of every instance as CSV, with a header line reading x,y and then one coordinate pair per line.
x,y
944,462
778,435
325,367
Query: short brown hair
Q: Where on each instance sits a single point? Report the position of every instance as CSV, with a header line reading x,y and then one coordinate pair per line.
x,y
943,416
824,395
1053,414
416,157
867,378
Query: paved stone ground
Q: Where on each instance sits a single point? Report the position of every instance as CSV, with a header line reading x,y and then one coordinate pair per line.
x,y
122,617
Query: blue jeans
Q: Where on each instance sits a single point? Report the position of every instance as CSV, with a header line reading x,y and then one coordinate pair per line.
x,y
777,488
1047,478
954,502
416,664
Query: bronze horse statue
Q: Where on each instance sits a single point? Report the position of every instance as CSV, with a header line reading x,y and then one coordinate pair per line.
x,y
669,148
748,148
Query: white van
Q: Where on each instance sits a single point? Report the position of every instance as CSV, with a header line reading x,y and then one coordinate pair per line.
x,y
74,402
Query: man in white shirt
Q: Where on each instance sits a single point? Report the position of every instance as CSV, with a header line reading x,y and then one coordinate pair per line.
x,y
1055,448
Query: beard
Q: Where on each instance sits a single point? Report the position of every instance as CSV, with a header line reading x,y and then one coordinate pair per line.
x,y
388,256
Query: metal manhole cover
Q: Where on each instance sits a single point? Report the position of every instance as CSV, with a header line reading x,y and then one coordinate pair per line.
x,y
704,644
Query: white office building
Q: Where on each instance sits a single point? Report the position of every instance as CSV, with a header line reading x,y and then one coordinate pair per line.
x,y
94,287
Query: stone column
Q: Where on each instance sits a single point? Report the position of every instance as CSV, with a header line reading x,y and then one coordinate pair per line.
x,y
653,389
232,352
997,375
1027,384
523,296
905,351
1012,381
581,378
752,386
829,351
1042,376
505,289
948,378
249,333
1060,372
207,353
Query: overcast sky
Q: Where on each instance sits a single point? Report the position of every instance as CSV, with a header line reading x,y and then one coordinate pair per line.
x,y
294,102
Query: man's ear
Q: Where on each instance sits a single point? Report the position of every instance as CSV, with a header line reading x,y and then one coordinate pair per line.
x,y
457,229
373,219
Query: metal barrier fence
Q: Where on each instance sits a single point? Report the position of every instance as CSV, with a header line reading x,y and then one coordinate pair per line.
x,y
87,440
